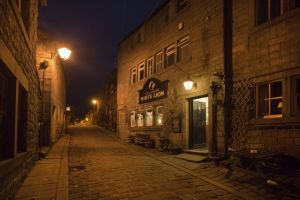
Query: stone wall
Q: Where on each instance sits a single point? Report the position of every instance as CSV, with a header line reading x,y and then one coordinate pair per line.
x,y
262,53
205,33
18,53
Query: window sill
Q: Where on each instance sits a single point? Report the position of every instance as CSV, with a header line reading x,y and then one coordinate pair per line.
x,y
276,122
9,165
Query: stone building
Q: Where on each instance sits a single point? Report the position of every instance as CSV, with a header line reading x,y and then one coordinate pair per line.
x,y
53,87
19,93
107,116
256,105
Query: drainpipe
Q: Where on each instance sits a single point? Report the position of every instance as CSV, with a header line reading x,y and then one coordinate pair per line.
x,y
227,23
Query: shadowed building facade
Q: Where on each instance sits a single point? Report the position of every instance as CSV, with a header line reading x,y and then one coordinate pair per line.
x,y
53,87
185,39
19,93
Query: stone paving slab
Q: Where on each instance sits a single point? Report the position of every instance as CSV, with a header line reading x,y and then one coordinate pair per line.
x,y
48,179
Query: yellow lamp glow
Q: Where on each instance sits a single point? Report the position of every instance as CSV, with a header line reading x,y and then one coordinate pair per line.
x,y
94,101
64,53
188,83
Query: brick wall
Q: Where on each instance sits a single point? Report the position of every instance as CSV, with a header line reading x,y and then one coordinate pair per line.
x,y
18,53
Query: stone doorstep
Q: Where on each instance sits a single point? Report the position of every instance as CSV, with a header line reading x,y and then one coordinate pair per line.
x,y
192,157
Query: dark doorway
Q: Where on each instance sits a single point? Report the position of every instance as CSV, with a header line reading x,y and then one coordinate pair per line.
x,y
198,108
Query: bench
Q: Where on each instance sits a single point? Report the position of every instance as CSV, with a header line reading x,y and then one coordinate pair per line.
x,y
144,139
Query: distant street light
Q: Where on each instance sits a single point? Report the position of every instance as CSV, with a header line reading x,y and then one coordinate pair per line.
x,y
64,53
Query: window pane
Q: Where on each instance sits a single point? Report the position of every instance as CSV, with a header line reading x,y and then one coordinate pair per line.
x,y
140,120
276,89
149,118
262,11
275,106
298,104
263,102
132,119
275,8
159,115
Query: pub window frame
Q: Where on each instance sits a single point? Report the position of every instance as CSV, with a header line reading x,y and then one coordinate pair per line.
x,y
133,118
182,44
170,53
159,62
149,68
141,71
140,119
133,75
265,95
149,122
159,115
264,11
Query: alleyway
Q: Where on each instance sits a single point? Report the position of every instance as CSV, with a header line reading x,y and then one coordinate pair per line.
x,y
114,171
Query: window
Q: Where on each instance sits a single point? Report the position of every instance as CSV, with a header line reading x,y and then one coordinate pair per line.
x,y
149,67
170,55
8,127
133,75
141,71
159,64
270,100
296,95
159,116
183,49
267,9
181,4
140,120
132,119
294,4
149,118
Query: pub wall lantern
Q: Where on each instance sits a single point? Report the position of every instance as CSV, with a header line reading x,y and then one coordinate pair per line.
x,y
189,83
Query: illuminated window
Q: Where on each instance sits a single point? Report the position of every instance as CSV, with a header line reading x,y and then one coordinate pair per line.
x,y
133,75
149,118
141,71
159,64
140,120
183,49
132,119
181,4
149,67
159,116
170,55
270,102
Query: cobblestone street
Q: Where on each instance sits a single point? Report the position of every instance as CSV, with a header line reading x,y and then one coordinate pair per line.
x,y
108,169
114,171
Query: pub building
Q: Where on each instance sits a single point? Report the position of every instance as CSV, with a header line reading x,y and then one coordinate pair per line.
x,y
206,81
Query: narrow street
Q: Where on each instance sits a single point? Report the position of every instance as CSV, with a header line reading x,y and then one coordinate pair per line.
x,y
115,171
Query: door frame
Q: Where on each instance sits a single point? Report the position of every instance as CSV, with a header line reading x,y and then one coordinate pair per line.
x,y
190,120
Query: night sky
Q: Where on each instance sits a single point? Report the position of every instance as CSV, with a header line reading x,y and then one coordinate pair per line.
x,y
92,29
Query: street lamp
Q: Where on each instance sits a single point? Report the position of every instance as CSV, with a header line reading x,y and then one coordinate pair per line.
x,y
64,53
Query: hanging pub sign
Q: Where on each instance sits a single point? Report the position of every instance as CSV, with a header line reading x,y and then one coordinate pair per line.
x,y
153,90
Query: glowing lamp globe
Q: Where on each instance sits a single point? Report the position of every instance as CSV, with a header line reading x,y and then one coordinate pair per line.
x,y
64,53
188,84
